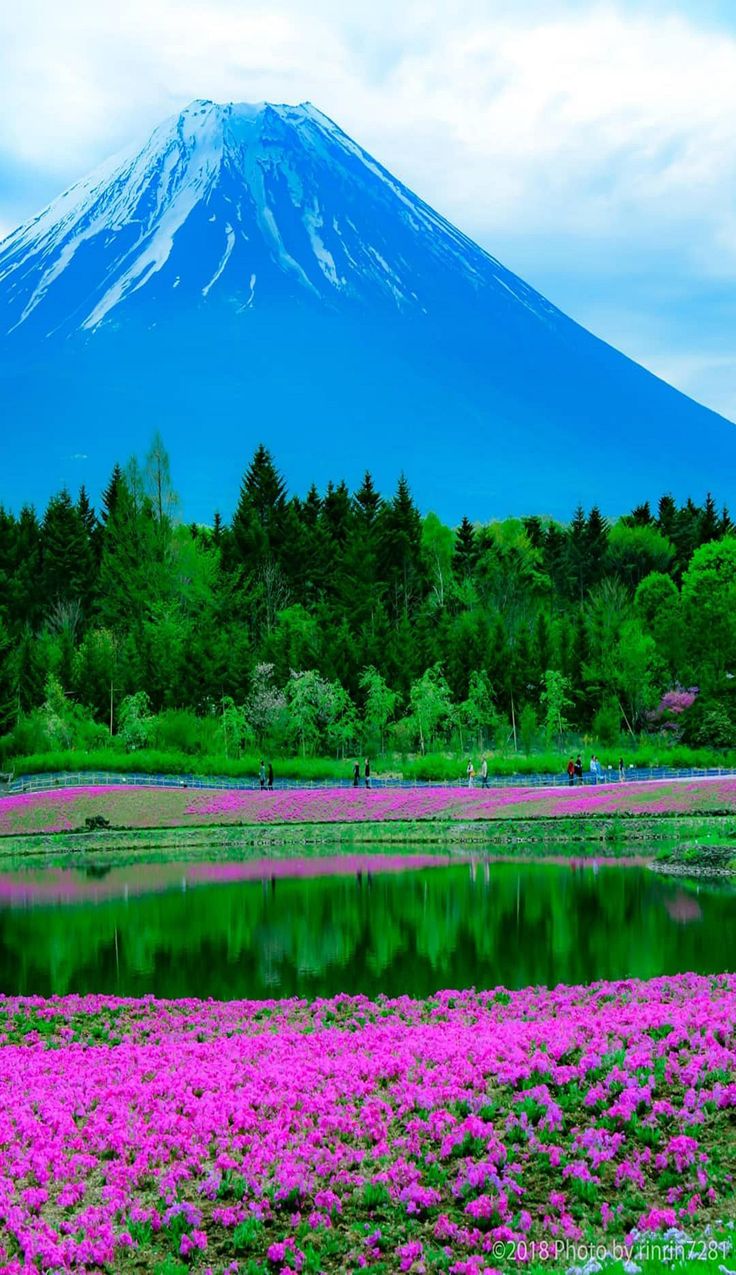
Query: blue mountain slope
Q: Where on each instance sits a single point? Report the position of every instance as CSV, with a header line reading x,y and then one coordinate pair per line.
x,y
253,274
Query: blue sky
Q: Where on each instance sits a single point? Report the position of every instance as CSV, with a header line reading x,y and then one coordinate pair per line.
x,y
591,147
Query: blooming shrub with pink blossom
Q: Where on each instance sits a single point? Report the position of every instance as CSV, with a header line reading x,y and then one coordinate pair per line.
x,y
264,1137
670,709
141,807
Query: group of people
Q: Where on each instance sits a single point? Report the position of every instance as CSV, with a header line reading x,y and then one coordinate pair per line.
x,y
470,772
366,774
575,770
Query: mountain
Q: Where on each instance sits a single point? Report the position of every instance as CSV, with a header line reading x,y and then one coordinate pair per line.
x,y
253,274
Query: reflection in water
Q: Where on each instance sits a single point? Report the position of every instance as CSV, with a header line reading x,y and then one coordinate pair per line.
x,y
222,930
684,907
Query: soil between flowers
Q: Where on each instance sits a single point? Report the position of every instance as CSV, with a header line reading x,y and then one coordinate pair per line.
x,y
355,1135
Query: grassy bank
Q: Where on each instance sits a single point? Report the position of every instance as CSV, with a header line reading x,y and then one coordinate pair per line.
x,y
440,766
523,838
128,806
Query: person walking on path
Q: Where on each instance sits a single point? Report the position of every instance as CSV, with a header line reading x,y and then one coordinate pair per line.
x,y
470,773
593,769
484,773
621,770
578,768
356,774
270,775
367,773
598,771
571,772
262,774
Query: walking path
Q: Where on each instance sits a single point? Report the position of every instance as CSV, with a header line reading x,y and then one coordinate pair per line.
x,y
86,779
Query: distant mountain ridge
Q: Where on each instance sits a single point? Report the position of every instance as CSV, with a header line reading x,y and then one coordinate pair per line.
x,y
252,272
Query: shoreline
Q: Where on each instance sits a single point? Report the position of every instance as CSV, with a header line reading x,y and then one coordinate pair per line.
x,y
602,837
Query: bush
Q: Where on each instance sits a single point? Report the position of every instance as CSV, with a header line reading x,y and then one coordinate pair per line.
x,y
607,724
179,731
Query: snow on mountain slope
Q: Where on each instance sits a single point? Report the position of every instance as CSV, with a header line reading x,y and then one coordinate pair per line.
x,y
252,274
239,203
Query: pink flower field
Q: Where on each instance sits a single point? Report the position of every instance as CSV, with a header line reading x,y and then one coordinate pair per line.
x,y
347,1135
141,807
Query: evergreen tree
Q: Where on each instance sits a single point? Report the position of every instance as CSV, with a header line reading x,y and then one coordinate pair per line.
x,y
367,505
465,556
110,494
67,565
8,697
596,532
258,523
400,549
335,513
666,516
25,600
641,516
577,554
130,579
710,523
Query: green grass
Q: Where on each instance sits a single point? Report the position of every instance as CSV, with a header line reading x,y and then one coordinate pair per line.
x,y
438,766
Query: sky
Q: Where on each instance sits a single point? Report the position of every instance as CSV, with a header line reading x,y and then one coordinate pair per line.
x,y
590,147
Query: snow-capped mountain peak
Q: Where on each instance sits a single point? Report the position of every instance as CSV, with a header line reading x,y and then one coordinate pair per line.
x,y
238,204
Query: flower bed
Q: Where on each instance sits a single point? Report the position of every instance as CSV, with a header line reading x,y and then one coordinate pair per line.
x,y
343,1135
67,809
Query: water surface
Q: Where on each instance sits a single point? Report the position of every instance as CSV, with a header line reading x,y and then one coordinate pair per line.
x,y
362,925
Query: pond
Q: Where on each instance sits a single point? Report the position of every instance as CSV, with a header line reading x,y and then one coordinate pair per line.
x,y
366,924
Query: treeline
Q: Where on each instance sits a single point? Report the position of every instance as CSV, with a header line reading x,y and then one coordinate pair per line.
x,y
347,620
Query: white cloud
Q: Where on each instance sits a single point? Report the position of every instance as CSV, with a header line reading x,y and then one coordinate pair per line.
x,y
601,132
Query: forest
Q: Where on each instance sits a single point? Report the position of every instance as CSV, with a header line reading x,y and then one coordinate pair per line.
x,y
344,622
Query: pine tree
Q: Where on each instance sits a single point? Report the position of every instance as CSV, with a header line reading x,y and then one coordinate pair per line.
x,y
7,561
710,523
577,554
666,516
466,550
641,515
25,600
8,697
259,517
335,513
534,531
400,549
367,505
110,494
67,567
596,532
131,578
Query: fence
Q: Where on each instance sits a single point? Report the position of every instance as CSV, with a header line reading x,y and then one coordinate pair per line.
x,y
93,779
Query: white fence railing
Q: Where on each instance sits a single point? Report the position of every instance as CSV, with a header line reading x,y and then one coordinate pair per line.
x,y
93,779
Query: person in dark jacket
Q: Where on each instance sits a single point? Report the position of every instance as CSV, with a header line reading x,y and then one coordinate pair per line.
x,y
270,775
356,774
262,774
579,768
367,773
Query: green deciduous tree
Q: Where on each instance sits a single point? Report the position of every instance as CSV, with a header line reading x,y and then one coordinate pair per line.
x,y
431,705
379,704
